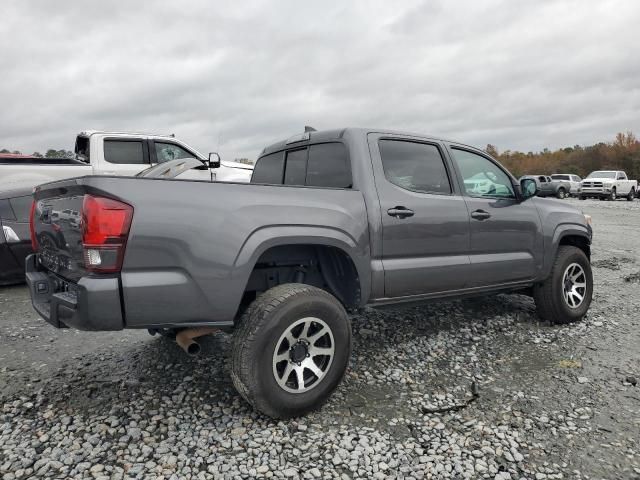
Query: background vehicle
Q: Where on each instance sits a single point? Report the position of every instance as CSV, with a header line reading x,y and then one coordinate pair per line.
x,y
115,153
608,185
549,187
574,181
331,221
15,240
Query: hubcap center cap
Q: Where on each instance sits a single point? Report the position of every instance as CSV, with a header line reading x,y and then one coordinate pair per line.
x,y
298,352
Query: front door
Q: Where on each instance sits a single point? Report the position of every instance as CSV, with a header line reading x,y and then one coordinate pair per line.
x,y
506,236
164,151
425,222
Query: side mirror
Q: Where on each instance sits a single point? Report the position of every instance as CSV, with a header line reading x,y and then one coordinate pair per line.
x,y
214,160
528,188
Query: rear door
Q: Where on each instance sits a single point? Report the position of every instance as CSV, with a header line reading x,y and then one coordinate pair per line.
x,y
122,156
425,221
506,237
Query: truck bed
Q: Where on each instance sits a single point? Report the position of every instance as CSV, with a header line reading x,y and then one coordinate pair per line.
x,y
192,245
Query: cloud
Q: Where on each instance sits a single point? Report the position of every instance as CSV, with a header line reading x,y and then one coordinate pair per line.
x,y
238,76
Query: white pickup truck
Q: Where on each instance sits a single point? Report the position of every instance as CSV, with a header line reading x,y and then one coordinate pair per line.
x,y
608,185
116,153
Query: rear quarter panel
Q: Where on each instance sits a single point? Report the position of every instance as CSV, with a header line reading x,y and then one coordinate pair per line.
x,y
192,245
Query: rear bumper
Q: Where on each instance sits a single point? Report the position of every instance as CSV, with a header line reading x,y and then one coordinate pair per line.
x,y
91,304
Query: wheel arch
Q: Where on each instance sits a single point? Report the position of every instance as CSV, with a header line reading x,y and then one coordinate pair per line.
x,y
342,260
568,234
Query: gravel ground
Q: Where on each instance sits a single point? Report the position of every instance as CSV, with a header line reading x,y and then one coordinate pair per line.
x,y
467,389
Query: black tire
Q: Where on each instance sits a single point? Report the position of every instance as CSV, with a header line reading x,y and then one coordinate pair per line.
x,y
549,295
613,195
561,193
631,195
259,333
582,198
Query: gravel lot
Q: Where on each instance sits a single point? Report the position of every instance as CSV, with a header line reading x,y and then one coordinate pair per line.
x,y
468,389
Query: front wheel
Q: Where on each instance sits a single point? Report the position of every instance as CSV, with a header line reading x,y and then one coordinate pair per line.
x,y
561,193
613,195
582,197
565,295
291,350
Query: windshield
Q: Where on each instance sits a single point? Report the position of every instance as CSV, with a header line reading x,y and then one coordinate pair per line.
x,y
602,174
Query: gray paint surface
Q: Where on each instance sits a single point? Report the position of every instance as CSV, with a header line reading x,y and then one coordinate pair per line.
x,y
193,245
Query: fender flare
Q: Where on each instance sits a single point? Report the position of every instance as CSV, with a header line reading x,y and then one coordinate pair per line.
x,y
262,239
561,231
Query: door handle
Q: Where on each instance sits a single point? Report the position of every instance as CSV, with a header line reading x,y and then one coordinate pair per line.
x,y
400,212
480,215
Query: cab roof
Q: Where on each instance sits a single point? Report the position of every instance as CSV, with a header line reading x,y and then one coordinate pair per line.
x,y
337,134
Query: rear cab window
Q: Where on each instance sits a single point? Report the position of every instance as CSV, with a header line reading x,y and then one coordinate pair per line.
x,y
319,165
82,149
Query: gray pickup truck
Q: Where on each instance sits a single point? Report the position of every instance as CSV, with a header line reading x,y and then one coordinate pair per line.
x,y
331,221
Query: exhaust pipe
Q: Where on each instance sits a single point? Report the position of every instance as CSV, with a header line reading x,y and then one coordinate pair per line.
x,y
185,338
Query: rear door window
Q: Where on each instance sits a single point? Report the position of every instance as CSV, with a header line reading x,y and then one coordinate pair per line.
x,y
269,169
418,167
329,166
127,152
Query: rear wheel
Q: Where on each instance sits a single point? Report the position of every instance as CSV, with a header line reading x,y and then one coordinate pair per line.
x,y
565,295
561,193
631,195
291,350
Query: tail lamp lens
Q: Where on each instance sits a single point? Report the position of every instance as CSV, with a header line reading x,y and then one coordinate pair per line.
x,y
105,228
32,226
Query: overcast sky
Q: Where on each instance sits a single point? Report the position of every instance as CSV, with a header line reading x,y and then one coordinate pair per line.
x,y
236,76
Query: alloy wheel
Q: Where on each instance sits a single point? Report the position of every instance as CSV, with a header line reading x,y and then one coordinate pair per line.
x,y
574,285
303,355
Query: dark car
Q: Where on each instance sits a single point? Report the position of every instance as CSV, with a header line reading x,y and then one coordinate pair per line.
x,y
15,241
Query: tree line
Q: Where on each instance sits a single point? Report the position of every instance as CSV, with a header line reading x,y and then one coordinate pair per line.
x,y
623,153
51,153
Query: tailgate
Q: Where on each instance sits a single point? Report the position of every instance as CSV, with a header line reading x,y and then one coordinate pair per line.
x,y
79,229
57,229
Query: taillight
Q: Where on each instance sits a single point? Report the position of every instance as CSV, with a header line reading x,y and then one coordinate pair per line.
x,y
32,226
105,228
